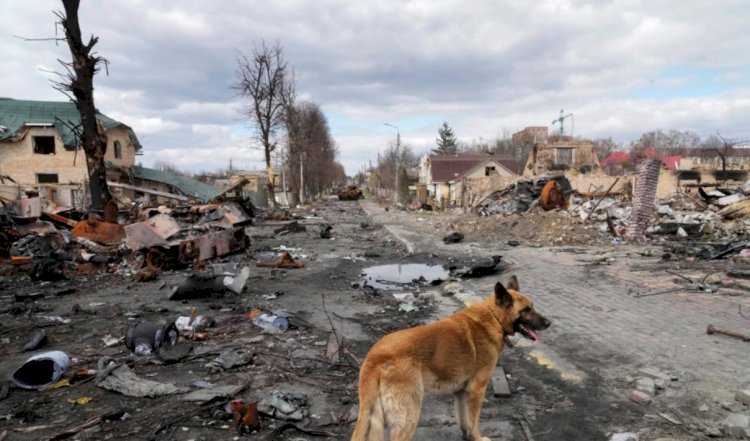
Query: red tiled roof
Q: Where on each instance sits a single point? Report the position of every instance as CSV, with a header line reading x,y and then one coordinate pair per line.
x,y
618,157
615,158
450,167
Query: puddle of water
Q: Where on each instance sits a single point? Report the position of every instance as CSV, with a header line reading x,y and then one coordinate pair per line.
x,y
398,276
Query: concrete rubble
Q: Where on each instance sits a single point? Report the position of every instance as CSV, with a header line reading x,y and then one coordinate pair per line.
x,y
708,224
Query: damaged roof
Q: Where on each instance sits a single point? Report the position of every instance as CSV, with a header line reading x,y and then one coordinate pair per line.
x,y
449,167
188,186
15,115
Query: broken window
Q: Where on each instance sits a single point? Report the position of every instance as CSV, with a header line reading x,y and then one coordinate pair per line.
x,y
489,171
46,178
564,156
118,150
44,145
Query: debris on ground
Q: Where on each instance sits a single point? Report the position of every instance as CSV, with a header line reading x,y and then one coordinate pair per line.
x,y
123,380
41,370
483,269
291,227
326,231
285,261
454,237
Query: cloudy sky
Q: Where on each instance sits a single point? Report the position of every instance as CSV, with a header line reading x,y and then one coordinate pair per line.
x,y
622,67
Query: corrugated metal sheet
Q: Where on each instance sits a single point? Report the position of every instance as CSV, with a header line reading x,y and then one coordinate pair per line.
x,y
188,186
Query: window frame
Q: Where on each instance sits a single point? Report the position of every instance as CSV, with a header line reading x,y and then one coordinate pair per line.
x,y
37,151
50,181
117,149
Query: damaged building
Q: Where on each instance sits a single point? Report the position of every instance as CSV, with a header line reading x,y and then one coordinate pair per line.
x,y
40,150
41,160
453,179
560,155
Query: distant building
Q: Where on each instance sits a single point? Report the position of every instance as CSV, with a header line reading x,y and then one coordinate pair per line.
x,y
443,175
710,159
531,135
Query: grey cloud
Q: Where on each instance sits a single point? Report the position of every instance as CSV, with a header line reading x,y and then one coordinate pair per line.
x,y
482,65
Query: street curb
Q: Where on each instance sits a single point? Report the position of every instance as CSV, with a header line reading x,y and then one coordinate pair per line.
x,y
391,230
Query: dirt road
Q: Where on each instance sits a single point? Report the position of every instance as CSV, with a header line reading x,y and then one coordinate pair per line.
x,y
574,386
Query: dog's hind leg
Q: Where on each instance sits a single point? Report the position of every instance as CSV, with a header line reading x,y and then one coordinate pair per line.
x,y
462,413
402,405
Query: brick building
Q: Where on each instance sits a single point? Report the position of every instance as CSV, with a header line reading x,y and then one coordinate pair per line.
x,y
39,143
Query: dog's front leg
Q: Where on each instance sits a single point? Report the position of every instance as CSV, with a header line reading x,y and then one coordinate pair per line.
x,y
474,399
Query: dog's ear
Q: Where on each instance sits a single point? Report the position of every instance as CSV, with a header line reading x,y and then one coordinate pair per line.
x,y
503,298
513,283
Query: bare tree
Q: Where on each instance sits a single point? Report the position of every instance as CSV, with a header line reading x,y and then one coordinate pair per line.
x,y
404,156
312,150
604,146
673,142
79,87
725,149
263,78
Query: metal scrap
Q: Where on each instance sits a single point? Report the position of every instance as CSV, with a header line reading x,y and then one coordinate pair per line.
x,y
100,232
285,261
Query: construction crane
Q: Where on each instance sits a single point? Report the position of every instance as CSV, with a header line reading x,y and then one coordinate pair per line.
x,y
561,120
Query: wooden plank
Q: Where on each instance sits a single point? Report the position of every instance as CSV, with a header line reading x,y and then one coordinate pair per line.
x,y
62,219
500,386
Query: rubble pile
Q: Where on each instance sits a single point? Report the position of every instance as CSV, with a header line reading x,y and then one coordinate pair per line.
x,y
521,196
551,228
720,216
160,238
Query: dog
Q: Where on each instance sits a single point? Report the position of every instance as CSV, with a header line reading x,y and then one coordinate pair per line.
x,y
457,355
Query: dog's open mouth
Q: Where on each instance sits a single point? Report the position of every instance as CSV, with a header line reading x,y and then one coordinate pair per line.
x,y
529,332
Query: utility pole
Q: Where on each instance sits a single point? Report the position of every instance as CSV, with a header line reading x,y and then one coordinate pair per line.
x,y
301,178
398,161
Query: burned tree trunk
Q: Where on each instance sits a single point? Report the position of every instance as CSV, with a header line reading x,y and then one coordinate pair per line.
x,y
80,84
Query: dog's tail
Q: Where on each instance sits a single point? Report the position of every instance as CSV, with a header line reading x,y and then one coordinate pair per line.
x,y
371,421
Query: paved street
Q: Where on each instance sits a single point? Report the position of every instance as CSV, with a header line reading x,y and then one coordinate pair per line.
x,y
600,328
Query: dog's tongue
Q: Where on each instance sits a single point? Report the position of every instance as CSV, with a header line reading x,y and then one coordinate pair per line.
x,y
535,335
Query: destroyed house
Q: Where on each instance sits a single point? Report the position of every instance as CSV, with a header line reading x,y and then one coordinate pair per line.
x,y
443,175
562,155
40,142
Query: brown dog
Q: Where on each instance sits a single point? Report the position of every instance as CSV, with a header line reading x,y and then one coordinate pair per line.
x,y
455,355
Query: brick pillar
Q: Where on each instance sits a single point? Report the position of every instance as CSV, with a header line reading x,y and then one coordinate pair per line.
x,y
643,203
